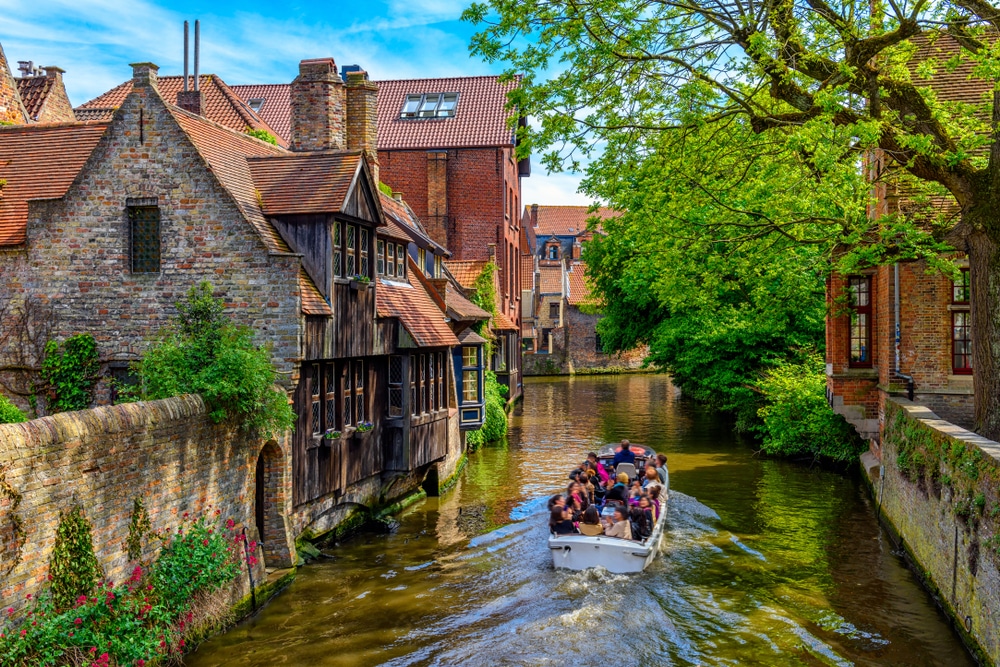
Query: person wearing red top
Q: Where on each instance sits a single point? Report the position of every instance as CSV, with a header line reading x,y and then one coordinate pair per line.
x,y
602,474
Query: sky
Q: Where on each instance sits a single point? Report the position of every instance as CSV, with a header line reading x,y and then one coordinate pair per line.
x,y
253,41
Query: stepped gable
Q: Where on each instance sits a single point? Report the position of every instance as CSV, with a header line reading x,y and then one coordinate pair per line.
x,y
220,103
39,162
568,220
11,108
276,109
416,309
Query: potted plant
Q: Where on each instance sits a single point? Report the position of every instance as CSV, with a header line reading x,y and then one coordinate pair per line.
x,y
331,434
359,281
364,427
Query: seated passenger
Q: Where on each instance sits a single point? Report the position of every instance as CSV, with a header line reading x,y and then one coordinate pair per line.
x,y
602,474
654,501
642,516
661,470
557,501
561,521
624,454
591,524
588,487
618,492
619,527
575,495
652,478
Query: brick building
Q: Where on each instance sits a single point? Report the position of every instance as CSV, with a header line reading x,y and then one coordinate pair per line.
x,y
12,109
558,331
111,221
901,330
44,94
447,145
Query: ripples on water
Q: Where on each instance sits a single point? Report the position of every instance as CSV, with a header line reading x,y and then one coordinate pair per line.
x,y
764,563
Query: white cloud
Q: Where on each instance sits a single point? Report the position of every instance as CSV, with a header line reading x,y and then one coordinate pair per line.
x,y
553,190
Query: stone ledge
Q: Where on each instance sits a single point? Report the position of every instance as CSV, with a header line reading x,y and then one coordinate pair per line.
x,y
946,428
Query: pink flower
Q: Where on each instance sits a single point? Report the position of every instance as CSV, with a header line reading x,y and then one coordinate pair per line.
x,y
204,543
28,596
82,600
10,610
140,663
230,524
24,632
77,621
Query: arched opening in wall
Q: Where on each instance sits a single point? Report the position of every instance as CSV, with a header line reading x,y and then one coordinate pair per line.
x,y
269,503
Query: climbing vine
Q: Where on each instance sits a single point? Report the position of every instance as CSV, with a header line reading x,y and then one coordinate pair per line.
x,y
138,528
71,371
495,424
73,566
12,542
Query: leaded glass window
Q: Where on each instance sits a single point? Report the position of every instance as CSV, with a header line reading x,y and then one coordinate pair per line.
x,y
380,257
351,249
144,239
338,233
395,386
391,260
400,261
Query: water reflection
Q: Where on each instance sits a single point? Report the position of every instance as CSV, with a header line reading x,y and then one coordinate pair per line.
x,y
766,563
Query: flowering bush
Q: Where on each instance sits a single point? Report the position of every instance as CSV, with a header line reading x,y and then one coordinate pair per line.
x,y
139,620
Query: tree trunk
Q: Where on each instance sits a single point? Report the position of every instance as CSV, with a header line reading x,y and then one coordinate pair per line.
x,y
984,275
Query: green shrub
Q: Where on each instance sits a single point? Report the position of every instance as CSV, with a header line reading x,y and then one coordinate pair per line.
x,y
204,353
796,419
73,567
9,414
71,371
495,424
143,619
263,135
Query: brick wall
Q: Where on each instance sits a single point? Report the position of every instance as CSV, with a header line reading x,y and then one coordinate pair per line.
x,y
318,102
11,109
57,107
582,349
167,453
956,553
77,254
362,118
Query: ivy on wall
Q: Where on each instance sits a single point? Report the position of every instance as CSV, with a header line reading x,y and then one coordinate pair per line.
x,y
495,424
934,461
73,566
138,528
14,535
71,371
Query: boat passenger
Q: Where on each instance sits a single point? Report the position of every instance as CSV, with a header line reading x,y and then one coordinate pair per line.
x,y
652,478
561,521
591,524
602,474
643,517
654,500
588,487
618,492
624,454
661,470
557,501
620,526
575,492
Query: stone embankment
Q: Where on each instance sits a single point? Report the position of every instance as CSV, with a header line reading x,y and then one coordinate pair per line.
x,y
938,490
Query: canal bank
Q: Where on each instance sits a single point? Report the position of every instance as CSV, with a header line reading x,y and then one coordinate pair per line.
x,y
766,562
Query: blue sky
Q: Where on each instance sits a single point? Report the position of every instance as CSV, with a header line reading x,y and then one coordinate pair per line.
x,y
253,42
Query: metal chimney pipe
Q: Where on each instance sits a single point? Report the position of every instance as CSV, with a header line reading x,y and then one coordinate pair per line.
x,y
186,56
197,41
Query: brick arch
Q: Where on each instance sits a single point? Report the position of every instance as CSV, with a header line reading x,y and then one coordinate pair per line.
x,y
270,502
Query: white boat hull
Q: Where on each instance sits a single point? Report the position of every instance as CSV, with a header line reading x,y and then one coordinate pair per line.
x,y
580,552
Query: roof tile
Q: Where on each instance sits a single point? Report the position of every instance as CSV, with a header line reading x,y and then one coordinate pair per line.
x,y
303,183
465,271
33,91
550,279
313,302
416,310
277,108
39,162
567,220
579,284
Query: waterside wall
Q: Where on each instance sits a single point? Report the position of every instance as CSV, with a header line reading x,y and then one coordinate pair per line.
x,y
938,488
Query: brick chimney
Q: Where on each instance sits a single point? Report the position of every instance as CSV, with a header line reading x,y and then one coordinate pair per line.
x,y
534,215
318,100
145,75
436,221
362,117
191,100
53,72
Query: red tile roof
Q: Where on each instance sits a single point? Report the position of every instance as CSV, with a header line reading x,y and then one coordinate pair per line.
x,y
461,308
221,104
956,85
277,108
550,280
480,117
465,271
303,183
313,302
502,323
39,162
416,310
527,272
34,90
226,153
567,220
393,231
579,285
94,113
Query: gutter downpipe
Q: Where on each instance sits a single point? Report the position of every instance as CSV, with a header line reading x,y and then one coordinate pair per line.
x,y
909,379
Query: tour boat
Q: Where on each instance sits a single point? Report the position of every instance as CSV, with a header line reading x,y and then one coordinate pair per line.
x,y
618,556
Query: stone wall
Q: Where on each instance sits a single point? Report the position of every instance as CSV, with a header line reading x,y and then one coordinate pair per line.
x,y
941,494
167,453
583,351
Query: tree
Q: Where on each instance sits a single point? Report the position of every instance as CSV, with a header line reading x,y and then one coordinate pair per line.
x,y
833,82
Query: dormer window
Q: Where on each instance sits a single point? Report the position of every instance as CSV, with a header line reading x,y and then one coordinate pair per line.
x,y
553,251
429,105
256,104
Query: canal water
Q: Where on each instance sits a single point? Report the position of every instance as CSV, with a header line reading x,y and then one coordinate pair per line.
x,y
765,562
